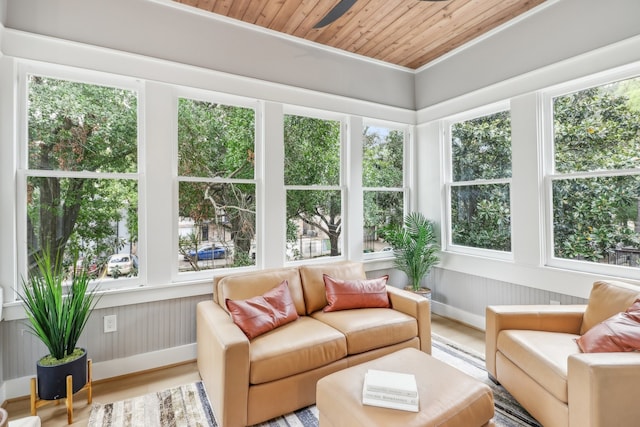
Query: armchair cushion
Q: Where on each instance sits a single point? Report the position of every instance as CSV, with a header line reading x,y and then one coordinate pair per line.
x,y
620,332
348,294
542,355
607,299
261,314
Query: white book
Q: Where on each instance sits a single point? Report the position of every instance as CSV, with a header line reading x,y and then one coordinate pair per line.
x,y
389,397
390,405
391,382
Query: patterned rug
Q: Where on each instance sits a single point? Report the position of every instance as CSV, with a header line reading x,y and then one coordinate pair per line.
x,y
184,406
188,405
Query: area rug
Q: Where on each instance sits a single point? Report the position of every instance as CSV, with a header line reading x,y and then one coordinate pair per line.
x,y
184,406
188,405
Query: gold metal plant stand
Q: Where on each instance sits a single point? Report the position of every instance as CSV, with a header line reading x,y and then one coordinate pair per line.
x,y
37,402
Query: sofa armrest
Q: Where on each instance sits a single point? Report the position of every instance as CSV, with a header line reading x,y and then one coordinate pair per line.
x,y
223,362
550,318
417,307
603,389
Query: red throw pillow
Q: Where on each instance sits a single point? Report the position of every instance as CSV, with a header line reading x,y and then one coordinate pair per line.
x,y
261,314
348,294
620,332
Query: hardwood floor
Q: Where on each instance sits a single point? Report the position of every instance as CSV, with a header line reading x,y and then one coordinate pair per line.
x,y
136,385
463,335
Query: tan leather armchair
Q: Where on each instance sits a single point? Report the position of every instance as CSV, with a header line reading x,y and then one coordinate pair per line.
x,y
532,351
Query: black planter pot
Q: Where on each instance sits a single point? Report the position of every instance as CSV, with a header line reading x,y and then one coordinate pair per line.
x,y
52,380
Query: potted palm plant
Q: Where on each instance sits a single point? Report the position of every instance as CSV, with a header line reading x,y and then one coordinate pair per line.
x,y
58,310
414,247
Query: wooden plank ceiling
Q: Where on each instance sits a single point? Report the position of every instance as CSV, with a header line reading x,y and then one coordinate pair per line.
x,y
408,33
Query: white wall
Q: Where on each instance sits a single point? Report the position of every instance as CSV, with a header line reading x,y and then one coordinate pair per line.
x,y
171,31
554,32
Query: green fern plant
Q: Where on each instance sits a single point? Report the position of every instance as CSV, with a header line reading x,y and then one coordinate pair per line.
x,y
414,246
57,317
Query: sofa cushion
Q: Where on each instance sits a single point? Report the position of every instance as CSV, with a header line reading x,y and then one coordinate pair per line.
x,y
542,355
247,285
348,294
312,280
606,299
261,314
620,332
370,328
297,347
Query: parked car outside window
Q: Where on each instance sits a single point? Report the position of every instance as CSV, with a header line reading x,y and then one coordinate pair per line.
x,y
121,264
208,252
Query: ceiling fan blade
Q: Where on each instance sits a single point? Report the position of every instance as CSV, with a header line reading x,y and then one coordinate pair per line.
x,y
335,13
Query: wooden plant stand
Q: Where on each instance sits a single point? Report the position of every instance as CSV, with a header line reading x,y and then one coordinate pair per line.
x,y
37,402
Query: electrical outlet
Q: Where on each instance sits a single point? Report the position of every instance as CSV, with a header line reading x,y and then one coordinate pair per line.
x,y
554,302
110,323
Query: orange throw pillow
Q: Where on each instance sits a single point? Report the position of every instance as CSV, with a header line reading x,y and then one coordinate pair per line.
x,y
620,332
348,294
261,314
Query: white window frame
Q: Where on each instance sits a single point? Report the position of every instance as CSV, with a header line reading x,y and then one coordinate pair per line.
x,y
406,176
257,181
291,110
447,171
550,175
67,73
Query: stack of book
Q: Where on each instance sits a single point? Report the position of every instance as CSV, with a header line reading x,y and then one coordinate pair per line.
x,y
390,390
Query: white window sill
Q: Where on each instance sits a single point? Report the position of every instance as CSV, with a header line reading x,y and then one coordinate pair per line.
x,y
127,296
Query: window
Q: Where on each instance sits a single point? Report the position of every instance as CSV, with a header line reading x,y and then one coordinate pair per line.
x,y
383,183
312,181
81,176
480,180
217,188
595,178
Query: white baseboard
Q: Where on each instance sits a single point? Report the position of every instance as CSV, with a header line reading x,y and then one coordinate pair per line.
x,y
20,387
470,319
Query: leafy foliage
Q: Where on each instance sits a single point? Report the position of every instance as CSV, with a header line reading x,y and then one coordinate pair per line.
x,y
218,141
382,169
382,163
480,214
80,127
482,148
312,157
415,246
55,317
597,129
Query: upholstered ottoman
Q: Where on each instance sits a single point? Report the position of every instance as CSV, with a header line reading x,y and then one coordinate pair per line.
x,y
448,397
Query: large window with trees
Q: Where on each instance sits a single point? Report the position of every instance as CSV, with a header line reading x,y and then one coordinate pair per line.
x,y
312,177
594,179
80,163
479,182
383,178
216,185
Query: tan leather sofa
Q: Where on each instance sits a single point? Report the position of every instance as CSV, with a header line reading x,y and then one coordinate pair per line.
x,y
249,382
532,351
